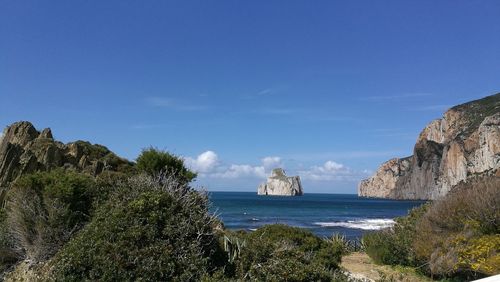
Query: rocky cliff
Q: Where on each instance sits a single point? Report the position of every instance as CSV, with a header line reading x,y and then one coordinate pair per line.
x,y
462,144
279,184
23,149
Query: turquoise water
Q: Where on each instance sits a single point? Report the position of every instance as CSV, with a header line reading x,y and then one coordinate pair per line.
x,y
323,214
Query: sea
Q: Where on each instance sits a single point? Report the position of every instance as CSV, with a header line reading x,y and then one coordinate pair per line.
x,y
323,214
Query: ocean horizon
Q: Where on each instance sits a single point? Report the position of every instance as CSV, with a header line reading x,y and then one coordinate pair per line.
x,y
323,214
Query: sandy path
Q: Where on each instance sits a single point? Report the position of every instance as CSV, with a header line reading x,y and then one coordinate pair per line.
x,y
362,267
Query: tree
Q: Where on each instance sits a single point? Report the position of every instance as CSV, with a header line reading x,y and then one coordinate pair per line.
x,y
156,162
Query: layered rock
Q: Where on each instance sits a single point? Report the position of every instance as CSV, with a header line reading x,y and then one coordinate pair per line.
x,y
462,144
23,150
278,184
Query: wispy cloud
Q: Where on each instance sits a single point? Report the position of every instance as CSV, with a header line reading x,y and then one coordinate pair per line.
x,y
385,98
436,108
316,156
147,126
392,132
163,102
265,92
397,134
278,111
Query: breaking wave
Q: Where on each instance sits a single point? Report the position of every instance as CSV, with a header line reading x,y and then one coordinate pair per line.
x,y
364,224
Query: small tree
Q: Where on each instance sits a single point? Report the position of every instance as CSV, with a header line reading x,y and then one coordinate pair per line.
x,y
154,162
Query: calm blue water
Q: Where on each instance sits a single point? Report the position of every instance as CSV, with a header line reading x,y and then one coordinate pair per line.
x,y
323,214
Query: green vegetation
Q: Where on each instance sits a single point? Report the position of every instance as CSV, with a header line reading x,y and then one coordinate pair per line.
x,y
152,226
280,252
476,111
457,236
154,162
150,230
162,230
394,246
43,210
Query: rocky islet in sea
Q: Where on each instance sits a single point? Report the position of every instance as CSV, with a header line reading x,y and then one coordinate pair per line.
x,y
279,184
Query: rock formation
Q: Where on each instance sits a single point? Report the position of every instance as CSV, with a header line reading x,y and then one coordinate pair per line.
x,y
462,144
23,150
279,184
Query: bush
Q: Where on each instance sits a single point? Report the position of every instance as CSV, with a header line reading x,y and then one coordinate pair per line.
x,y
44,209
457,224
147,230
394,246
456,236
154,162
280,252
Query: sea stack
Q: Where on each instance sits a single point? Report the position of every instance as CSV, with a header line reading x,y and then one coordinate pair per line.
x,y
278,184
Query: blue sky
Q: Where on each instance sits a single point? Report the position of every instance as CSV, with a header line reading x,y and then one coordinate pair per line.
x,y
326,89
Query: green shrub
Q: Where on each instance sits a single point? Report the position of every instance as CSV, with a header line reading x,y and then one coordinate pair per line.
x,y
44,209
467,214
154,162
394,246
147,230
455,236
340,242
280,252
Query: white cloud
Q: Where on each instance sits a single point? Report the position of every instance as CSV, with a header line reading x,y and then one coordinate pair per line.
x,y
240,171
205,162
332,171
332,166
271,162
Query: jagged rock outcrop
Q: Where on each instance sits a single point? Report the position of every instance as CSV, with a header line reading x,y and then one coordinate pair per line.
x,y
462,144
23,150
278,184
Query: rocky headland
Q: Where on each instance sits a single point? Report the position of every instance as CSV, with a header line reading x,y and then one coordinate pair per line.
x,y
464,143
278,184
24,149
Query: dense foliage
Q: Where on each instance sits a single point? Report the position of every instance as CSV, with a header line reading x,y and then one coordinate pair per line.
x,y
150,230
461,231
44,210
282,253
152,226
457,236
154,162
394,246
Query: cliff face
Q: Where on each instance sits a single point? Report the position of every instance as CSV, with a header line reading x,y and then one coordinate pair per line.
x,y
278,184
23,150
462,144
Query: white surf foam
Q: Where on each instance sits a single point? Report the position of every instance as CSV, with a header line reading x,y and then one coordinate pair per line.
x,y
365,224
